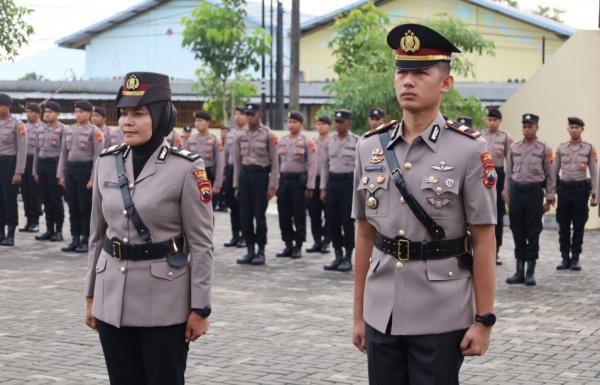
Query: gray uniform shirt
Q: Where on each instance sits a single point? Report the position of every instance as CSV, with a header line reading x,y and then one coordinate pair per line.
x,y
320,142
48,144
13,136
498,143
79,144
338,156
167,197
210,148
530,163
257,148
229,145
32,136
298,154
433,296
112,135
573,160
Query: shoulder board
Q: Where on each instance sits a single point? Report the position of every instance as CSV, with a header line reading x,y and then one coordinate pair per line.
x,y
384,127
191,156
112,150
455,126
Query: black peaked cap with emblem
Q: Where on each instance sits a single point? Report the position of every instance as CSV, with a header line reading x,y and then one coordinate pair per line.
x,y
575,120
466,120
342,114
252,107
377,113
419,47
530,118
142,88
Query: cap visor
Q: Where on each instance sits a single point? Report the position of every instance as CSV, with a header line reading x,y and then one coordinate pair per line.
x,y
129,101
416,65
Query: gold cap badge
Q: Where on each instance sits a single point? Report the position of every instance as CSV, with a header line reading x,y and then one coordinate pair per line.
x,y
410,43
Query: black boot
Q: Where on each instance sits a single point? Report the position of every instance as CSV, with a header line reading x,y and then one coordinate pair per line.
x,y
57,236
48,234
575,265
565,264
241,243
35,225
333,265
25,229
529,278
519,276
325,247
250,255
315,248
297,251
346,264
287,251
82,247
9,240
73,245
498,260
234,240
2,235
260,256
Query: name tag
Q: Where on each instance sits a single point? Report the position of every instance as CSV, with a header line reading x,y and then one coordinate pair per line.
x,y
379,167
109,184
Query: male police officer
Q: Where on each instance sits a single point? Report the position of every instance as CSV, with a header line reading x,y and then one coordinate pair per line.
x,y
13,157
82,142
255,178
298,167
316,208
45,166
376,118
112,135
420,185
498,143
528,174
29,188
573,158
337,167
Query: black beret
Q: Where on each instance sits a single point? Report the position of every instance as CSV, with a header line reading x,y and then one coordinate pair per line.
x,y
187,128
295,115
52,105
240,109
252,107
202,115
466,121
324,119
100,111
377,113
84,105
418,46
142,88
342,114
494,112
530,118
576,120
33,107
5,100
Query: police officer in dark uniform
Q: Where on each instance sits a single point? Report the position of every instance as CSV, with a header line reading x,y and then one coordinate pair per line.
x,y
376,118
45,166
82,143
29,187
13,156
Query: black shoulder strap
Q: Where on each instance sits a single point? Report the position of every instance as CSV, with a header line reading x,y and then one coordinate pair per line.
x,y
436,231
128,202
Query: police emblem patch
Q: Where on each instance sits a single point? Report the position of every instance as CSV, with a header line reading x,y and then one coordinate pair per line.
x,y
410,43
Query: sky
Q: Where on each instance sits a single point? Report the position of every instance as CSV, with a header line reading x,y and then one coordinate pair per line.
x,y
54,19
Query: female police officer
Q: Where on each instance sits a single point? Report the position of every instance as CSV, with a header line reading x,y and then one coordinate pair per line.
x,y
150,260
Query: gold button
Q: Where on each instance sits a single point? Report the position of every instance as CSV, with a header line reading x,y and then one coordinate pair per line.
x,y
124,213
370,260
131,185
122,269
371,186
407,166
402,200
125,240
170,273
401,233
399,265
438,189
450,274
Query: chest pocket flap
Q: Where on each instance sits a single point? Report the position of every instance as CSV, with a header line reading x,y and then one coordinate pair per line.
x,y
441,184
376,187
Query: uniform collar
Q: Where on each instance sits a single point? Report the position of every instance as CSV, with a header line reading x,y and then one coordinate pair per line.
x,y
431,135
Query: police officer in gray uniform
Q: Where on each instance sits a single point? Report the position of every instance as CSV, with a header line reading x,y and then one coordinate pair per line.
x,y
376,118
112,135
82,142
149,273
13,157
337,167
423,299
528,179
45,166
30,191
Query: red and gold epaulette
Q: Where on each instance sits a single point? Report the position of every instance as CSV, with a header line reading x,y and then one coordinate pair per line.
x,y
471,133
384,127
112,150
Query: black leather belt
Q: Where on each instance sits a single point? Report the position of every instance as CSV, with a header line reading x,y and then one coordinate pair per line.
x,y
404,250
255,168
574,184
291,175
526,187
341,175
144,251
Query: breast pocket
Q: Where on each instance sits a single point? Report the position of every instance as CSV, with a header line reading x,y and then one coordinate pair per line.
x,y
535,165
245,147
281,149
349,151
441,193
84,142
7,137
170,289
582,161
377,199
446,270
69,141
192,146
299,153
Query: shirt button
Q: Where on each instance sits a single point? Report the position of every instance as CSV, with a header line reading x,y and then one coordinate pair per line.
x,y
401,233
131,185
407,166
451,274
371,186
402,200
370,260
125,240
170,273
399,265
124,213
122,269
438,189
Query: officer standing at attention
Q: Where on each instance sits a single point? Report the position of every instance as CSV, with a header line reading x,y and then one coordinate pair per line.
x,y
208,146
30,191
498,143
337,167
421,186
82,142
573,158
150,262
376,118
112,135
255,178
528,174
316,208
13,157
298,168
237,240
45,166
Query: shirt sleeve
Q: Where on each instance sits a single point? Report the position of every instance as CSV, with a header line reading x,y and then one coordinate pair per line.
x,y
62,159
98,145
21,134
97,234
550,182
508,172
220,160
324,165
479,201
311,163
274,177
556,165
593,165
237,161
359,197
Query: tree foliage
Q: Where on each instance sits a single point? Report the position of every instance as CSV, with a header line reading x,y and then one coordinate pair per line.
x,y
237,93
510,3
14,30
550,13
219,39
32,76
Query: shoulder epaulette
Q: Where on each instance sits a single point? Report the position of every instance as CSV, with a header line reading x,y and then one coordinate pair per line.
x,y
455,126
382,128
112,150
191,156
